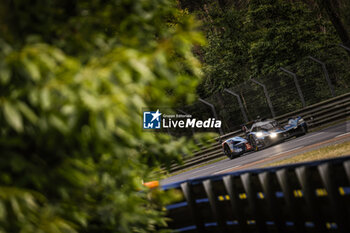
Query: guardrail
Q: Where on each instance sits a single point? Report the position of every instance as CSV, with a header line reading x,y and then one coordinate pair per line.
x,y
315,115
305,197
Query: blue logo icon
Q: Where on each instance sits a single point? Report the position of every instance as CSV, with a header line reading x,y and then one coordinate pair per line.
x,y
151,120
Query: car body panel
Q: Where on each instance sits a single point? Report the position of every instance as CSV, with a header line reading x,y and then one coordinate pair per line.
x,y
237,146
296,127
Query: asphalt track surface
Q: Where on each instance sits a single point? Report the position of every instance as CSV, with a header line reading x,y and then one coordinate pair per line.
x,y
294,146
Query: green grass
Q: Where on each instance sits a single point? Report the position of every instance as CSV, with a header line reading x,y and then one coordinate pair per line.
x,y
327,152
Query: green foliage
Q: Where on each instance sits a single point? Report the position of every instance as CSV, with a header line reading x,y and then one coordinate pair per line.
x,y
283,34
73,80
257,40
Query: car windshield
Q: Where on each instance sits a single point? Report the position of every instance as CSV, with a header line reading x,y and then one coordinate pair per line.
x,y
292,121
265,126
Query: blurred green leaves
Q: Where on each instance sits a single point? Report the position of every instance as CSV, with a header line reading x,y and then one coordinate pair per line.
x,y
73,82
12,116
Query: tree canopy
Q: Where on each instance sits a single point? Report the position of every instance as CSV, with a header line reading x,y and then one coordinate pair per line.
x,y
250,39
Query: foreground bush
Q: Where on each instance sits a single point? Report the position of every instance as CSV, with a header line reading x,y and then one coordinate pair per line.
x,y
73,80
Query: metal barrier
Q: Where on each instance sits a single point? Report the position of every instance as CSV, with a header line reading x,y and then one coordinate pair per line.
x,y
305,197
315,115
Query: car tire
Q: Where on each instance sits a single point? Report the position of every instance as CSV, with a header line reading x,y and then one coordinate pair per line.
x,y
227,151
267,142
253,143
303,131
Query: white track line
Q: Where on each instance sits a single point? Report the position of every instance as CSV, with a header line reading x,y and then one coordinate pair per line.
x,y
201,170
305,137
342,134
312,135
287,151
223,171
226,170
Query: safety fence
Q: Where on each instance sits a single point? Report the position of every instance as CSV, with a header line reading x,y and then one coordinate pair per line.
x,y
312,80
315,115
305,197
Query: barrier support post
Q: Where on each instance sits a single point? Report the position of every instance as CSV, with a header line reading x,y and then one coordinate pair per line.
x,y
266,96
192,130
296,82
345,47
325,71
239,102
214,112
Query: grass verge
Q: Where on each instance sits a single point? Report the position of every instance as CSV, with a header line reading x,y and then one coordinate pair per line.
x,y
337,150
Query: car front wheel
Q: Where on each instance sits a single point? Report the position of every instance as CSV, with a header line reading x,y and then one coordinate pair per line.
x,y
227,151
253,143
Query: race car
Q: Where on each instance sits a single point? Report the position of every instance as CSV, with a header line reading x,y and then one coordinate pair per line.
x,y
265,133
268,132
296,127
233,147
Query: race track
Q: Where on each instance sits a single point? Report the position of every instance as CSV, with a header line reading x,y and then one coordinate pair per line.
x,y
290,148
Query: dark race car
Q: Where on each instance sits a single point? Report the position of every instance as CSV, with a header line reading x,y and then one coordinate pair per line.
x,y
296,127
268,132
265,133
235,146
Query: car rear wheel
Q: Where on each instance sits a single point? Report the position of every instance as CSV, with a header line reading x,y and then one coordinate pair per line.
x,y
303,131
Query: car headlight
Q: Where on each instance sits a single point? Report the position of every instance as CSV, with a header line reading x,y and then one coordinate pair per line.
x,y
273,135
259,134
